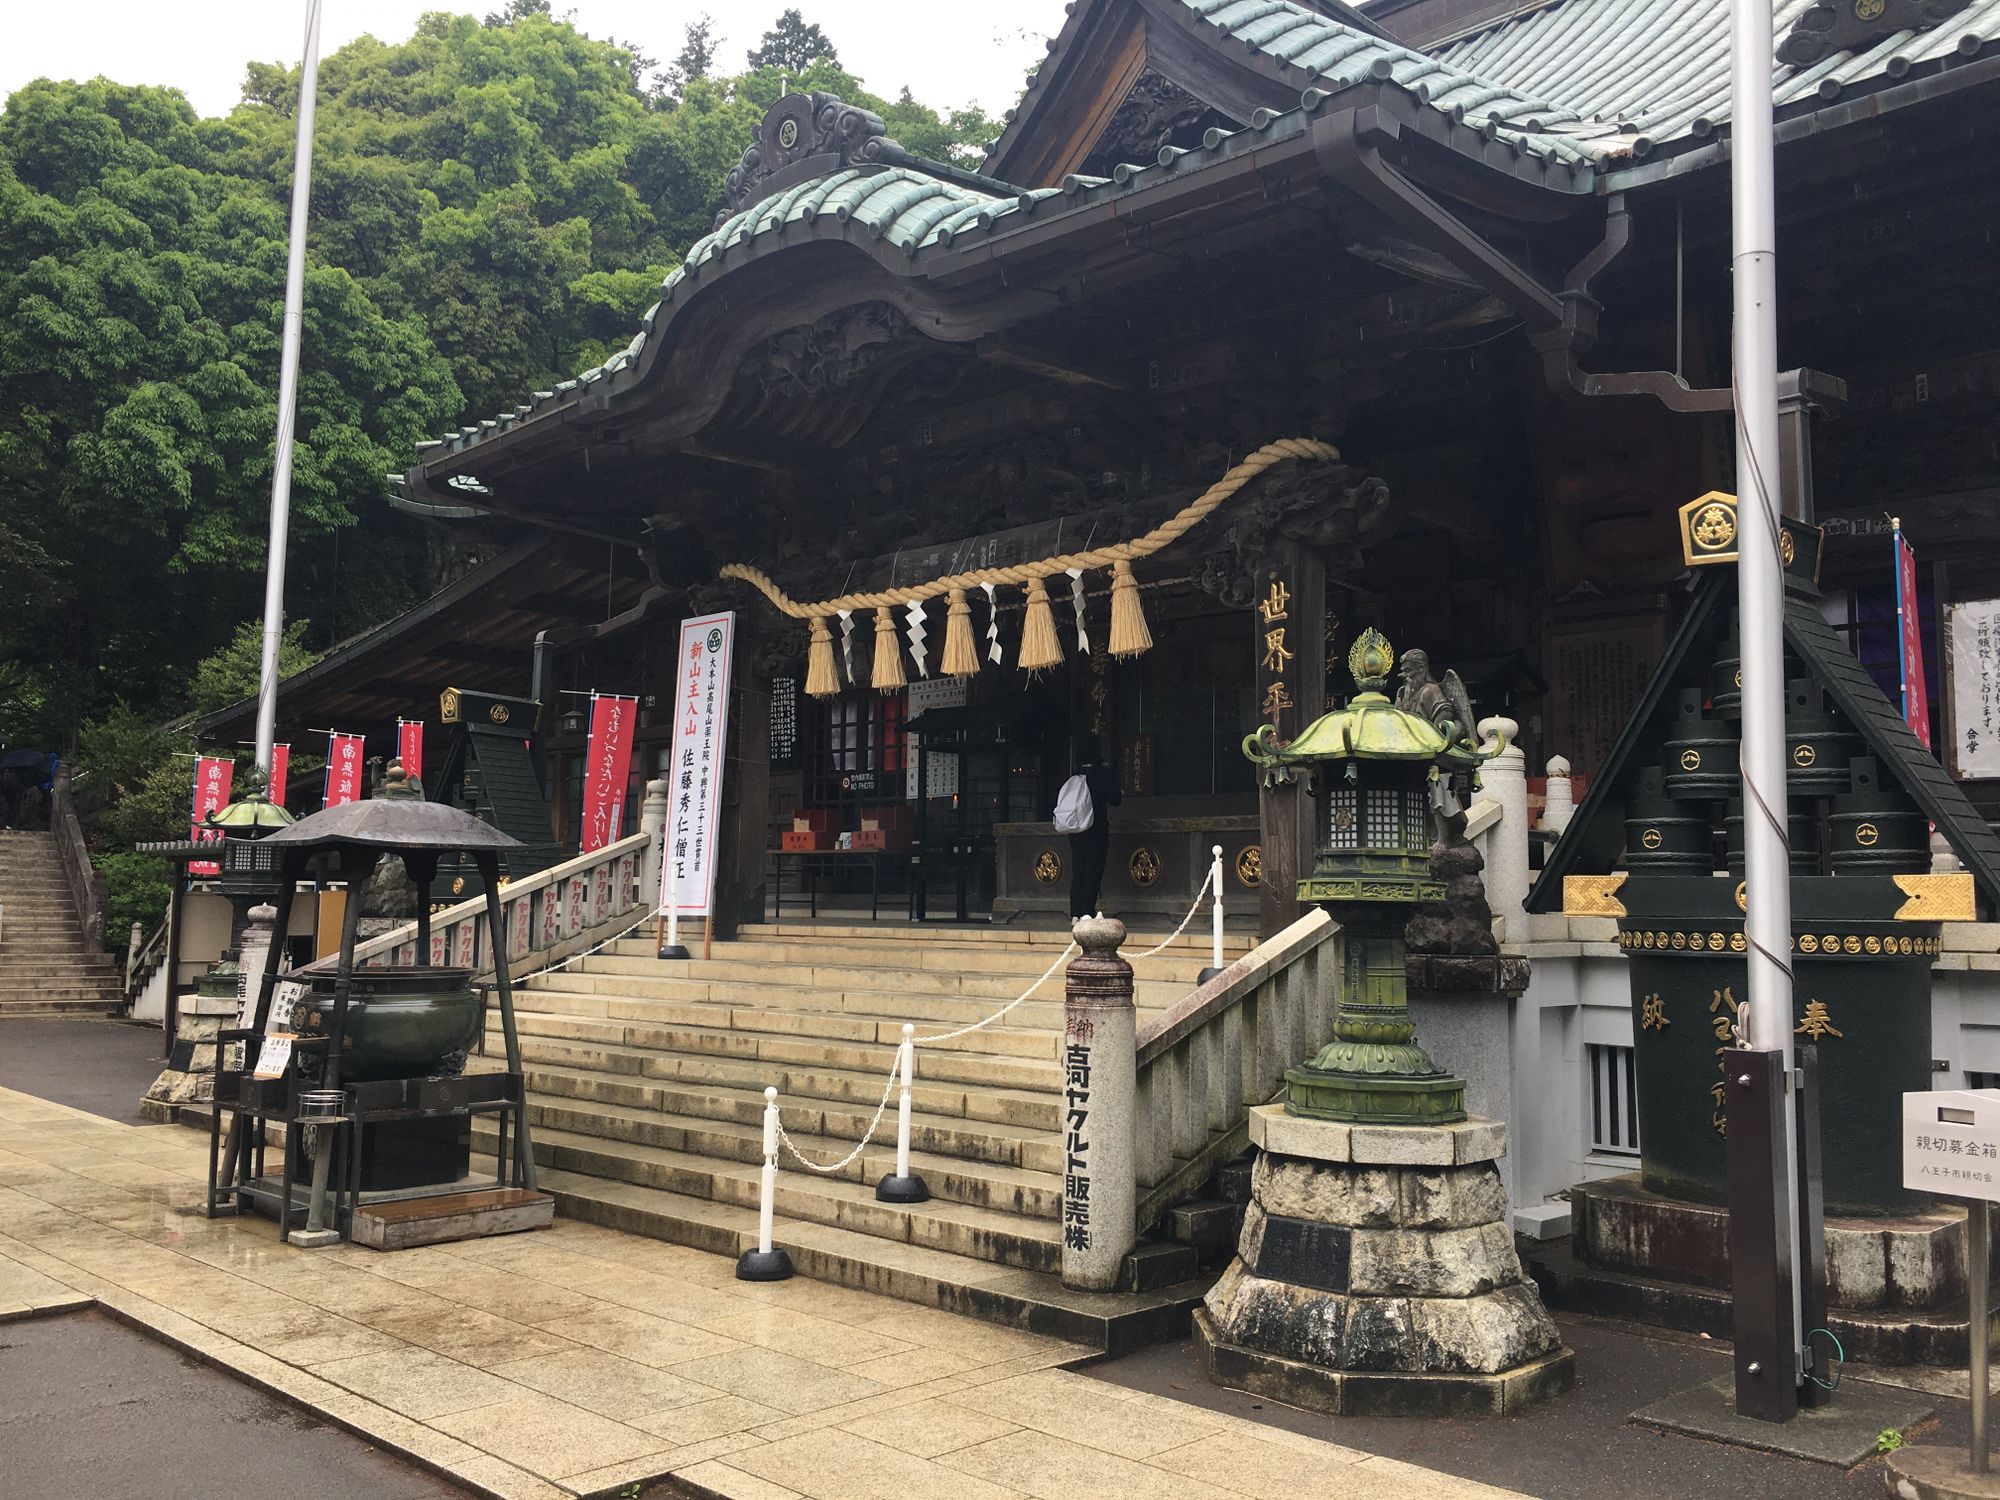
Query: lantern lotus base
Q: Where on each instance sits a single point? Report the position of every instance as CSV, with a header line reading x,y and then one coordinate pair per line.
x,y
1415,1096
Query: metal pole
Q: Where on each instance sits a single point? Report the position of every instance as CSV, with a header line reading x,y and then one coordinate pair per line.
x,y
288,399
1760,585
1977,1270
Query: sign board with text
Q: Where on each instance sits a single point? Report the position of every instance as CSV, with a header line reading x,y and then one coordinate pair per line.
x,y
1951,1143
701,738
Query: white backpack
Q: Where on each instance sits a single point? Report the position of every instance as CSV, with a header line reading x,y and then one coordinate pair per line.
x,y
1074,811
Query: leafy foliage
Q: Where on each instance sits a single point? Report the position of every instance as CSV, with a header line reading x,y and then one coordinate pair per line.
x,y
494,202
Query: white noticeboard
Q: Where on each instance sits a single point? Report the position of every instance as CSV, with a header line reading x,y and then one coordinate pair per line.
x,y
701,737
1951,1143
1972,688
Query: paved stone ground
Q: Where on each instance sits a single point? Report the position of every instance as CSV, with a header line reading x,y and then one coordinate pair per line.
x,y
88,1407
581,1361
101,1066
1569,1448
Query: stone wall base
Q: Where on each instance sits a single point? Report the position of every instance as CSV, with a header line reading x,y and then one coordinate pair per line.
x,y
1376,1273
1380,1393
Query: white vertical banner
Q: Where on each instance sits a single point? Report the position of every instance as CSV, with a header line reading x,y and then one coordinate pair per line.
x,y
1972,687
701,737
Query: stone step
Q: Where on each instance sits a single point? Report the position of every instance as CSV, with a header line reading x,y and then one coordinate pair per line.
x,y
587,995
977,983
736,1087
781,986
1034,1301
956,1228
643,1030
903,965
24,1009
61,990
1195,940
663,1048
727,1120
951,1178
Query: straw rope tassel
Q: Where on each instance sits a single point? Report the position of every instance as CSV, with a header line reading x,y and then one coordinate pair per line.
x,y
1032,574
888,652
1129,635
1039,646
820,679
960,660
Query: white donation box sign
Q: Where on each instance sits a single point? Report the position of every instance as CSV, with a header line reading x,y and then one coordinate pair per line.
x,y
1951,1143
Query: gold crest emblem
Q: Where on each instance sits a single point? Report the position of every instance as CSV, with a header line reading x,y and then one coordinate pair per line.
x,y
1143,867
1048,867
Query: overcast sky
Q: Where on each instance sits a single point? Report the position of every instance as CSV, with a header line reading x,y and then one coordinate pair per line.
x,y
950,52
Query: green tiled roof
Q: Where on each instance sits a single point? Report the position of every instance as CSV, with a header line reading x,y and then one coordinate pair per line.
x,y
1652,72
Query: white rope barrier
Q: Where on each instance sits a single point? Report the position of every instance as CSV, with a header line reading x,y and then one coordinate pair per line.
x,y
909,1188
1199,895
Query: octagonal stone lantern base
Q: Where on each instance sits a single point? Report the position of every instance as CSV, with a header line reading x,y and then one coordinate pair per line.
x,y
1377,1276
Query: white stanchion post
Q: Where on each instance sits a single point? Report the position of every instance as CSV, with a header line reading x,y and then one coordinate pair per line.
x,y
671,878
903,1186
766,1263
1215,964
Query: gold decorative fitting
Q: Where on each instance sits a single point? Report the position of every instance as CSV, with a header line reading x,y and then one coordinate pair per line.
x,y
1715,942
1869,10
498,713
1048,867
1788,550
1808,943
448,705
1680,939
1708,529
1871,944
1742,896
1651,838
458,886
1867,835
1371,659
1936,898
1250,865
1144,867
1690,760
1804,755
1737,942
1831,943
1593,895
1850,944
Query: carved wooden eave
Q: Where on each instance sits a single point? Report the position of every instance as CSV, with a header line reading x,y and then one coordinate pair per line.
x,y
1097,60
789,276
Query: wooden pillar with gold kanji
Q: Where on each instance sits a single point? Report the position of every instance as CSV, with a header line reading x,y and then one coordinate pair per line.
x,y
1289,616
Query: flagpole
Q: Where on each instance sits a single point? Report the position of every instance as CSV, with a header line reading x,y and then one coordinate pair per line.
x,y
288,396
1760,600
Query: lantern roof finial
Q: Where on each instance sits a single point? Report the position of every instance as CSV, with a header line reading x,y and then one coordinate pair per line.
x,y
1371,659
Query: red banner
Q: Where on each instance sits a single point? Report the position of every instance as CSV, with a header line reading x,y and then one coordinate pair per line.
x,y
607,769
1910,632
410,748
212,776
343,769
281,769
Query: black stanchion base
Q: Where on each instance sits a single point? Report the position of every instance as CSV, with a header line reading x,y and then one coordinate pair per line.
x,y
1208,972
763,1265
674,950
894,1189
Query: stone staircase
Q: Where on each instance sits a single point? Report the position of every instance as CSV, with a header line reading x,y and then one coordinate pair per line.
x,y
646,1084
44,968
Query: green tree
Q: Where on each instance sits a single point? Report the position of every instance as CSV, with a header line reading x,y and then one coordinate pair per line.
x,y
696,59
793,44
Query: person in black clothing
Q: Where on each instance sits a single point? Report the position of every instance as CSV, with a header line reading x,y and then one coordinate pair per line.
x,y
1087,850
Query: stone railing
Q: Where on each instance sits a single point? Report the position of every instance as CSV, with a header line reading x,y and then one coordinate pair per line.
x,y
548,915
1225,1048
86,885
143,955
